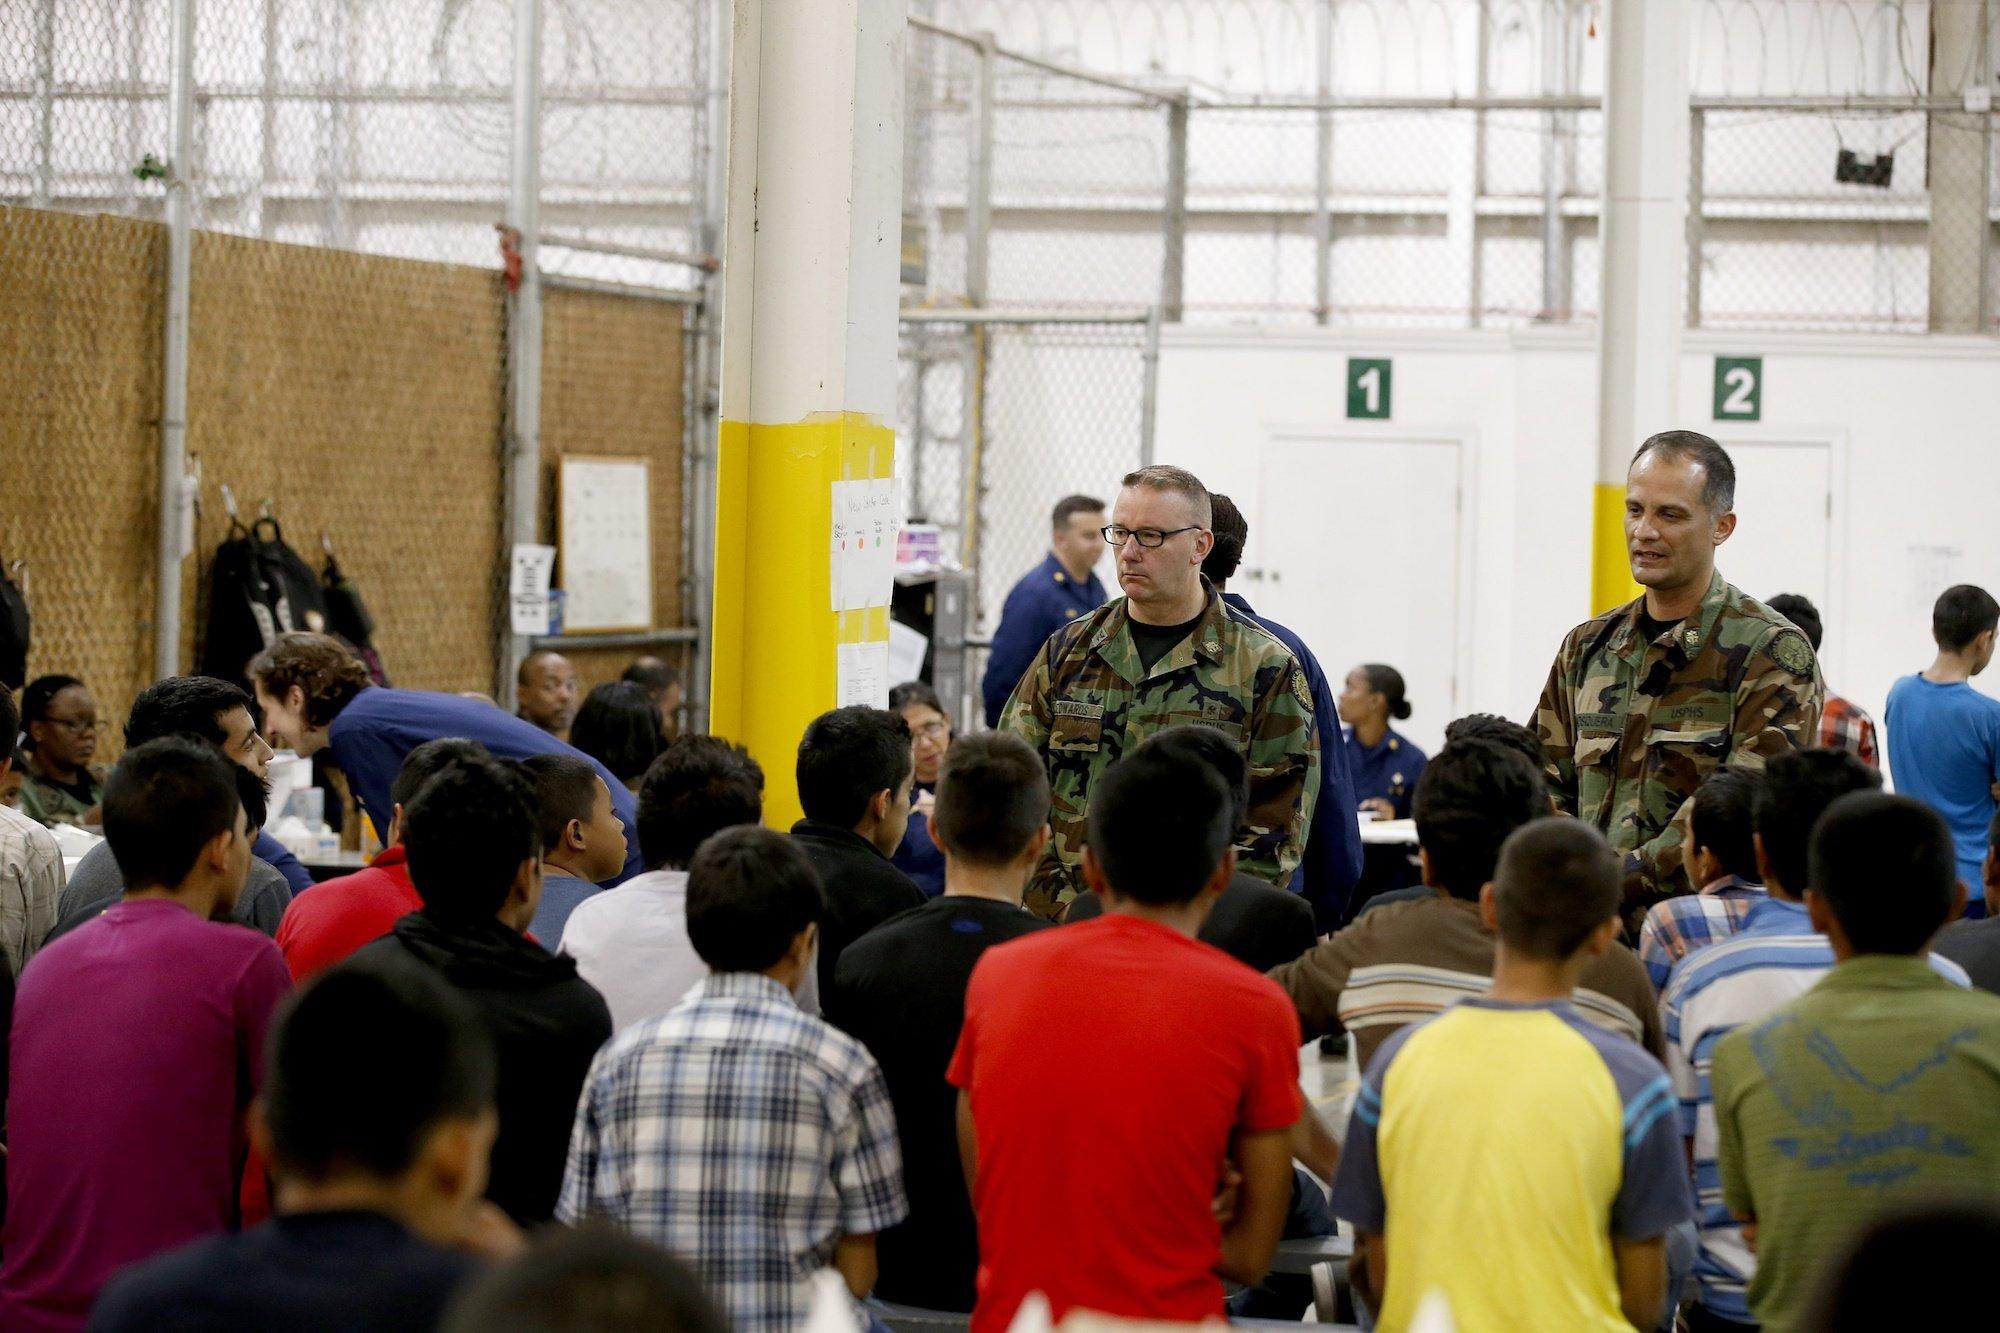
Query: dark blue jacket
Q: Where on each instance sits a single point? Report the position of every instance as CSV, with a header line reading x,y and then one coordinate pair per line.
x,y
379,727
1332,864
1045,600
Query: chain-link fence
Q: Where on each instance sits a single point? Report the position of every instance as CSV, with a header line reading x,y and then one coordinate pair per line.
x,y
322,331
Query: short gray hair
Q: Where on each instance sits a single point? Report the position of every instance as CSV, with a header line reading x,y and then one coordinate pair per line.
x,y
1718,488
1165,477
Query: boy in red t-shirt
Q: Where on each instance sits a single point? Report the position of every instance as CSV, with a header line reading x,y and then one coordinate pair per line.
x,y
324,926
1112,1074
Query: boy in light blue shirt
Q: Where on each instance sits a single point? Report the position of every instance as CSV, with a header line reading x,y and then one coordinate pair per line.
x,y
1944,736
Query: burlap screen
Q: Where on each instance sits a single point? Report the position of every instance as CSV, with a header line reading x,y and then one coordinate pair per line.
x,y
80,320
613,383
362,397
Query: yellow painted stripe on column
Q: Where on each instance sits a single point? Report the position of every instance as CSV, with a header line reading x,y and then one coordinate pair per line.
x,y
775,629
1611,567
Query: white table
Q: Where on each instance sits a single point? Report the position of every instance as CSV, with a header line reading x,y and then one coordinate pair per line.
x,y
1389,832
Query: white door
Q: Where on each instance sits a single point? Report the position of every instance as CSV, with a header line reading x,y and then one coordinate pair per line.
x,y
1783,538
1355,544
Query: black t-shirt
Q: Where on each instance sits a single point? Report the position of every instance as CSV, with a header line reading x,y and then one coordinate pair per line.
x,y
1156,641
348,1270
1253,922
1652,629
900,990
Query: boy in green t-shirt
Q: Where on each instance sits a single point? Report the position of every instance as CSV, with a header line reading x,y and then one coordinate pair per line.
x,y
1879,1085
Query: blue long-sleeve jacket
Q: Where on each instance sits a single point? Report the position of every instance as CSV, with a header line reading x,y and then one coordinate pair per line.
x,y
1332,864
379,727
1045,600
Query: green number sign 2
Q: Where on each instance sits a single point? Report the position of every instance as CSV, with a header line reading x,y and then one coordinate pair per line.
x,y
1739,388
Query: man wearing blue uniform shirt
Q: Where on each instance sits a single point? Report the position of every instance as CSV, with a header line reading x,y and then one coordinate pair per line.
x,y
1332,864
317,696
1049,596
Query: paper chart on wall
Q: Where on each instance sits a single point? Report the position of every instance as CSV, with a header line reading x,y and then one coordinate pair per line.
x,y
861,675
863,550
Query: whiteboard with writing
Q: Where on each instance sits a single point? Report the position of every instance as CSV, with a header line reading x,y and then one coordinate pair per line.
x,y
606,536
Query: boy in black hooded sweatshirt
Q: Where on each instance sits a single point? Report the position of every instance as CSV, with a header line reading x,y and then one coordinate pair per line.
x,y
474,848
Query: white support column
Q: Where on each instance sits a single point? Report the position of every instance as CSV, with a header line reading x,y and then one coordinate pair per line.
x,y
176,499
811,262
1959,163
1643,239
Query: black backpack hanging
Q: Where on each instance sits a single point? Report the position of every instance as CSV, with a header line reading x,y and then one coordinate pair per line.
x,y
14,627
259,588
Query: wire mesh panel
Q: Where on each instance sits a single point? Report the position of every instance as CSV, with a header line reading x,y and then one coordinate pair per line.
x,y
1064,413
1786,244
1079,192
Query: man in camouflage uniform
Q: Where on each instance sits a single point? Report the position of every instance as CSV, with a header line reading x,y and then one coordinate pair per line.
x,y
1168,652
1647,700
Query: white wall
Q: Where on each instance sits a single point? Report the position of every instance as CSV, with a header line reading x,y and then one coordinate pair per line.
x,y
1911,422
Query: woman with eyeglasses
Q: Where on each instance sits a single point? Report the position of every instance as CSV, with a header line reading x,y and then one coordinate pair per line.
x,y
60,719
930,736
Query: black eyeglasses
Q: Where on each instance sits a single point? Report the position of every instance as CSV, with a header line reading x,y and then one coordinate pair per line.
x,y
1146,537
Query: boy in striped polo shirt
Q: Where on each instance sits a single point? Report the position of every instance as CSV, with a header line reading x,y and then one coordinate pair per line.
x,y
1774,957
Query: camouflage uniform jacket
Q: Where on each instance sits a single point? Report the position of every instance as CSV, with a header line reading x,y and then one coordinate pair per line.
x,y
1632,728
1087,700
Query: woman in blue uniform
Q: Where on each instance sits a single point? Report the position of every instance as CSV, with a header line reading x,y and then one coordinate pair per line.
x,y
1384,765
930,737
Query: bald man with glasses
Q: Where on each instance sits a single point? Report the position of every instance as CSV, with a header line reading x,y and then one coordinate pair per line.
x,y
1169,652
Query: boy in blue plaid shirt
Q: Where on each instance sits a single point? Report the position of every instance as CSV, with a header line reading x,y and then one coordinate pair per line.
x,y
735,1130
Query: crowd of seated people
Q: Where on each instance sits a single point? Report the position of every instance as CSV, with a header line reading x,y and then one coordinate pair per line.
x,y
588,1047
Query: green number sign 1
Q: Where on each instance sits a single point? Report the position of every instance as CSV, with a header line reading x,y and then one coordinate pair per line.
x,y
1739,388
1367,388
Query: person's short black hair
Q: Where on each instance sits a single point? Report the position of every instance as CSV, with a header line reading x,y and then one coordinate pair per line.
x,y
427,761
916,693
1470,798
1386,681
1962,614
10,722
653,674
1161,821
591,1278
165,801
992,798
1209,746
1797,788
565,789
1232,532
1718,487
750,892
1724,819
467,831
847,756
619,726
185,706
36,698
1070,506
1887,868
1557,880
1502,731
1948,1239
365,1063
698,786
252,795
1803,615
